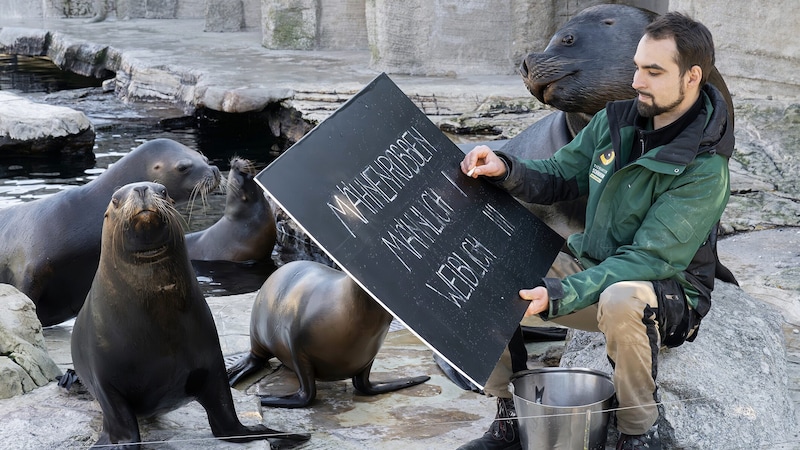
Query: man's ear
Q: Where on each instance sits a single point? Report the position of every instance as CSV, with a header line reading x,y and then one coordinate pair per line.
x,y
694,75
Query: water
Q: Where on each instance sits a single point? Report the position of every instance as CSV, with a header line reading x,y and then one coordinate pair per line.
x,y
120,128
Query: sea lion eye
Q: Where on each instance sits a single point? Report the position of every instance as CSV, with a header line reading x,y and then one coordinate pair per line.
x,y
568,39
183,167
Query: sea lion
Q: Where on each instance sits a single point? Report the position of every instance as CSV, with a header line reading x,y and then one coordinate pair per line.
x,y
319,323
145,342
49,248
246,231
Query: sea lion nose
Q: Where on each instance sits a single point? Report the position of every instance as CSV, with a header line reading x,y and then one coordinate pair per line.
x,y
141,190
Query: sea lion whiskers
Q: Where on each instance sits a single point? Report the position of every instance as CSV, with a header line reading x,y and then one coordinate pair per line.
x,y
202,189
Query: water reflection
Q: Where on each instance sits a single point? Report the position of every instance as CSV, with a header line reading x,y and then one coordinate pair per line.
x,y
19,73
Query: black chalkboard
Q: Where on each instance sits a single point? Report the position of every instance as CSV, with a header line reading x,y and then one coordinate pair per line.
x,y
378,187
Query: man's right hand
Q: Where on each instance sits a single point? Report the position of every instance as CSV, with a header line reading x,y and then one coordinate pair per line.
x,y
481,160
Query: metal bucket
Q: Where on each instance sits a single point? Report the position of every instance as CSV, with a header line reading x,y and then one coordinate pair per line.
x,y
562,407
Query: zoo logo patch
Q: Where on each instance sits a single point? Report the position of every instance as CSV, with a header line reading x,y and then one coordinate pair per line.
x,y
607,157
599,172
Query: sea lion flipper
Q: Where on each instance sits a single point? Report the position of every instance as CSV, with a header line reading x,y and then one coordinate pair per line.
x,y
120,425
362,384
244,366
305,394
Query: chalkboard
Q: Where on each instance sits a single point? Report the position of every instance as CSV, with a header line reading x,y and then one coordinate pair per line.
x,y
378,187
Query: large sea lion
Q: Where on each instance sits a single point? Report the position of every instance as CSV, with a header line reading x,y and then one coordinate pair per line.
x,y
319,323
145,342
246,231
49,248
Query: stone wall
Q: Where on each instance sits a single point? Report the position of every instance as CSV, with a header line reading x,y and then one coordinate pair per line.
x,y
425,37
757,49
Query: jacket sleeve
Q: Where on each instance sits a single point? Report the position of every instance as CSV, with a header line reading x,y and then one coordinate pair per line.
x,y
563,176
672,231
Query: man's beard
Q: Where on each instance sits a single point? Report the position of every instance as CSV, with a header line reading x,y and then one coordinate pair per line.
x,y
655,109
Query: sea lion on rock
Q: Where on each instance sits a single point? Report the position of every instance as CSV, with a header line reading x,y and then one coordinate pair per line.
x,y
319,323
49,248
246,231
145,342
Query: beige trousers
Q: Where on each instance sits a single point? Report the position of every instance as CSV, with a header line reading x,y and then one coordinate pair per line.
x,y
626,315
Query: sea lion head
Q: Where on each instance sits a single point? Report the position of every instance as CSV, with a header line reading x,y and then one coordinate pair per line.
x,y
141,224
185,172
589,60
241,176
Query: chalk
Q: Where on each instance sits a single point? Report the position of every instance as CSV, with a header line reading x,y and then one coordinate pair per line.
x,y
471,171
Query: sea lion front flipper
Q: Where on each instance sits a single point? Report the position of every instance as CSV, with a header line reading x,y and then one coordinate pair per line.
x,y
215,397
363,385
120,425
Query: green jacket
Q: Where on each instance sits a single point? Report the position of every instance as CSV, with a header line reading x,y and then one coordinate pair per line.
x,y
645,220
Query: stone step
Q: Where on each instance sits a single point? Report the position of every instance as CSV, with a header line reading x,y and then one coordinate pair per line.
x,y
30,128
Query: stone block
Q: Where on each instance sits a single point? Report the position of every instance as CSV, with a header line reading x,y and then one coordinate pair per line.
x,y
289,24
160,9
224,15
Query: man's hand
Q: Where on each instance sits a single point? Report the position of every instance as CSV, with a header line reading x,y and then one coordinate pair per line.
x,y
540,301
481,160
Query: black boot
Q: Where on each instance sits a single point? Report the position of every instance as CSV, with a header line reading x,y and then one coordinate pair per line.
x,y
503,434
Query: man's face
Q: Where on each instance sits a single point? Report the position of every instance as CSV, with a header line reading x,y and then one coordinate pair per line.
x,y
657,78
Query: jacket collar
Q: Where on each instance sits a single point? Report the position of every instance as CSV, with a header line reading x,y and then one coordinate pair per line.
x,y
708,132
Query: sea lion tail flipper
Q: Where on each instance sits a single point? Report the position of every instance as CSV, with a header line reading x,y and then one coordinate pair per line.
x,y
453,375
305,394
243,366
363,385
68,379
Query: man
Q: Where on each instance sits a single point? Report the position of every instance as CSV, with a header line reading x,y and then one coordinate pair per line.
x,y
655,173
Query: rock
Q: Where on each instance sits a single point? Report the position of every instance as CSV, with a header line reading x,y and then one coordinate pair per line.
x,y
28,128
728,388
224,15
24,361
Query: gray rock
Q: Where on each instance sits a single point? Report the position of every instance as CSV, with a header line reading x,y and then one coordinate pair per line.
x,y
29,128
728,388
24,361
224,15
160,9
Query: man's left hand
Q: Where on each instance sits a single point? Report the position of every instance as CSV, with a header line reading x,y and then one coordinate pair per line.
x,y
540,300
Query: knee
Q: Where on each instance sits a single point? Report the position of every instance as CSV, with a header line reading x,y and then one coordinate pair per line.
x,y
625,300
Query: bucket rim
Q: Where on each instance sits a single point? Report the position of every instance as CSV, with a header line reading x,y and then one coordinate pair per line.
x,y
585,370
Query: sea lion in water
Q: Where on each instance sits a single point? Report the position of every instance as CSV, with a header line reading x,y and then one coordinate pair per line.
x,y
319,323
246,231
49,248
145,342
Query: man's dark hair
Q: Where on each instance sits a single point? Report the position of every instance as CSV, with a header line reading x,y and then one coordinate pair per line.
x,y
692,38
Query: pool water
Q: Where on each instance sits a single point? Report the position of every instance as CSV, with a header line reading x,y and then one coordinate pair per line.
x,y
121,127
